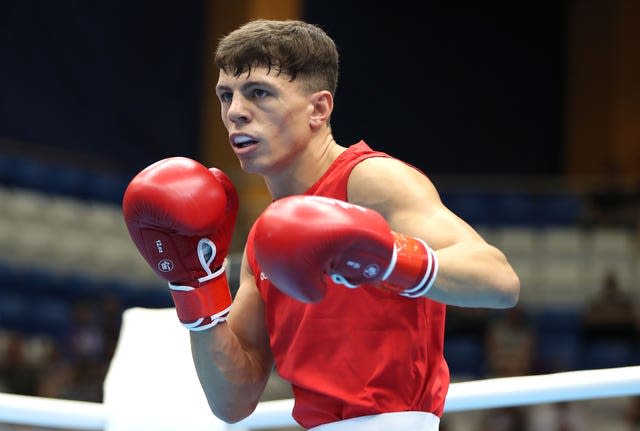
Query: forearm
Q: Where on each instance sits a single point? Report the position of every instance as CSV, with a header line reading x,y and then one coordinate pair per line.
x,y
475,275
232,377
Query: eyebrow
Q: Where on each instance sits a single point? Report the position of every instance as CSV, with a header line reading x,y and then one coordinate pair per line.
x,y
246,85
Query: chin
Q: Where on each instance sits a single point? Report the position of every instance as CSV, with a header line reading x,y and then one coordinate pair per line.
x,y
249,167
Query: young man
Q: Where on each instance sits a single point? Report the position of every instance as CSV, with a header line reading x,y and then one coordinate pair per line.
x,y
345,276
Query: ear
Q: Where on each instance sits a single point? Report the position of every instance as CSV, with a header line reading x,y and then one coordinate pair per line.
x,y
322,104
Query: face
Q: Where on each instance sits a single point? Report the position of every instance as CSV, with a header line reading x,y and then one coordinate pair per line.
x,y
267,117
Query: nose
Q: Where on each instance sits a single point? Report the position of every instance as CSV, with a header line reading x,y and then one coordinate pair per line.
x,y
238,110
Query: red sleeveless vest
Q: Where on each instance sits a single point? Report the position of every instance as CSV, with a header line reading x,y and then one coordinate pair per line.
x,y
358,351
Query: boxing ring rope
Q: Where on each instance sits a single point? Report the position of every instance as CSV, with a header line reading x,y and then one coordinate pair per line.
x,y
472,395
152,384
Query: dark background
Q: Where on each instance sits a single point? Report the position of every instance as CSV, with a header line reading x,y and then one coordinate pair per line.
x,y
454,90
471,90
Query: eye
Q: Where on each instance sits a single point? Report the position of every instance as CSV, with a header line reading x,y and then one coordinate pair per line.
x,y
259,93
225,96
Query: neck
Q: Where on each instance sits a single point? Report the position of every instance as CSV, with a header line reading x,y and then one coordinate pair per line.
x,y
308,167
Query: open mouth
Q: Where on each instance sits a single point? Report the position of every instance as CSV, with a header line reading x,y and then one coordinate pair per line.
x,y
243,141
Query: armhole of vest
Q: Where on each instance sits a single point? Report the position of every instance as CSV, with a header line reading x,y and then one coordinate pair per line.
x,y
251,256
357,161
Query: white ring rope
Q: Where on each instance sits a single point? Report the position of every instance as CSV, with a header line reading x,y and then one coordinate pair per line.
x,y
479,394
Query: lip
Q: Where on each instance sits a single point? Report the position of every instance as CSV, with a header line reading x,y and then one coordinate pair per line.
x,y
240,150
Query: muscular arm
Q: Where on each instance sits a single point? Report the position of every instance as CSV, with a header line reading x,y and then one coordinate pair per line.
x,y
472,273
233,360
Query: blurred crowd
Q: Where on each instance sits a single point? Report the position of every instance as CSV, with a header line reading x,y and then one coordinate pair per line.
x,y
511,348
71,366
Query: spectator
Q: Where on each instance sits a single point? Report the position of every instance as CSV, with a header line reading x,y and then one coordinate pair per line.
x,y
611,314
88,377
632,414
561,416
506,419
510,344
111,322
614,201
86,340
56,379
18,375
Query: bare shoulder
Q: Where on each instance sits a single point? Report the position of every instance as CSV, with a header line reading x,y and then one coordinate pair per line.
x,y
383,183
408,200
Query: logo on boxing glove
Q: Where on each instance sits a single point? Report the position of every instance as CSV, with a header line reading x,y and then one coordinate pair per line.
x,y
165,265
371,271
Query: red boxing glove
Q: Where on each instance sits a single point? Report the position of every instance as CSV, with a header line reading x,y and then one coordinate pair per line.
x,y
301,239
181,217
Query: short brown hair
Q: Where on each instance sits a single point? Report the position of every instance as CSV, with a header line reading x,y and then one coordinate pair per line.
x,y
294,48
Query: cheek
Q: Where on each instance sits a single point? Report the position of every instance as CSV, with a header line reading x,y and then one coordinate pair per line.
x,y
295,135
224,117
288,123
298,122
287,127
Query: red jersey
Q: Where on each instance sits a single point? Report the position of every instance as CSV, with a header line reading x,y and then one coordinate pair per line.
x,y
358,351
